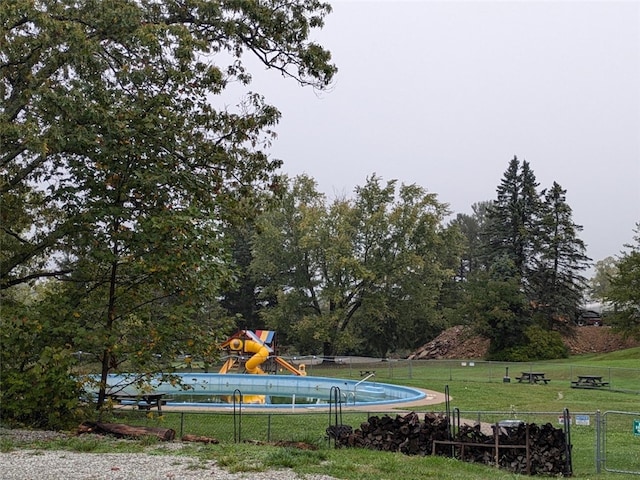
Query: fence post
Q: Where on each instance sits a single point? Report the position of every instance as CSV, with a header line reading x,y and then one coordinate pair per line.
x,y
268,427
598,445
237,416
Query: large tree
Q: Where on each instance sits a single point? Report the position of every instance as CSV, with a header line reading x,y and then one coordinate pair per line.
x,y
511,218
471,228
535,235
356,276
122,172
83,76
624,290
604,271
556,283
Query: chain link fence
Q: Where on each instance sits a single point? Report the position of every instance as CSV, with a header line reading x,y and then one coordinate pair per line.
x,y
618,379
599,442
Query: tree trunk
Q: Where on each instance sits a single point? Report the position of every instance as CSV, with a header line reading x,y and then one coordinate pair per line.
x,y
199,438
127,431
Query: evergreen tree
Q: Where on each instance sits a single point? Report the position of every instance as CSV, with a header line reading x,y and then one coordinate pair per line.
x,y
555,282
512,217
534,233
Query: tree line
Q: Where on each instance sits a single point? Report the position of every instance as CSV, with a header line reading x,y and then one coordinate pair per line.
x,y
385,271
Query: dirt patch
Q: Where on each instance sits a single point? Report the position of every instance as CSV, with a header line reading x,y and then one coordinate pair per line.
x,y
459,342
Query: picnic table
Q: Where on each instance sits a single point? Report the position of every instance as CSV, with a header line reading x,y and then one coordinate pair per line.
x,y
533,377
144,401
589,381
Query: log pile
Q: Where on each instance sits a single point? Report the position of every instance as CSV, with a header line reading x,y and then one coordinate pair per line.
x,y
406,434
526,448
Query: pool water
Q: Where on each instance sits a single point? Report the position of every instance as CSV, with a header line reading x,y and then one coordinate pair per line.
x,y
278,390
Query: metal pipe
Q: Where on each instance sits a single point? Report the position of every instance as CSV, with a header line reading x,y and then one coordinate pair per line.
x,y
364,380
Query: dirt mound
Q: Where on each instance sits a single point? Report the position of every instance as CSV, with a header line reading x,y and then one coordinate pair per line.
x,y
459,342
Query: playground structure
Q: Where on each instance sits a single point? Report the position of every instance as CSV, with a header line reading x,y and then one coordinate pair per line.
x,y
261,345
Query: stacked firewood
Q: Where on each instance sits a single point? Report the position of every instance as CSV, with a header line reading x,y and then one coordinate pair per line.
x,y
547,449
406,434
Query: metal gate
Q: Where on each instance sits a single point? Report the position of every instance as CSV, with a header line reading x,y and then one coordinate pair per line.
x,y
617,434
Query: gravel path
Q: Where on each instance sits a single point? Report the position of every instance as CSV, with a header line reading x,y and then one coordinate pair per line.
x,y
31,464
62,465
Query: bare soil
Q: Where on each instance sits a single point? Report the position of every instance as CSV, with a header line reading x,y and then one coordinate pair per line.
x,y
458,342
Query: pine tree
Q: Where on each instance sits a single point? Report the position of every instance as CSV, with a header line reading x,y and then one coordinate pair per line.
x,y
511,218
555,283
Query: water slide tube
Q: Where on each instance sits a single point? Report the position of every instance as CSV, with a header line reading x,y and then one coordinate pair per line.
x,y
260,350
252,366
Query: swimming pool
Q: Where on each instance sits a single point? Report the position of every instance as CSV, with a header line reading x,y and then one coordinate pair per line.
x,y
209,389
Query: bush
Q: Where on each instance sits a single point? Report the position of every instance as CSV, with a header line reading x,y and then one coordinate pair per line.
x,y
540,344
36,388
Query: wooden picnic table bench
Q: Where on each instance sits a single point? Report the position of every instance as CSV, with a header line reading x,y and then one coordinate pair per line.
x,y
589,381
144,401
533,377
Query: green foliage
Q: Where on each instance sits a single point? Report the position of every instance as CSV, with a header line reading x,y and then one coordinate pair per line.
x,y
356,276
6,445
86,81
36,388
540,344
624,289
555,283
529,252
511,220
471,228
294,457
119,174
497,308
600,283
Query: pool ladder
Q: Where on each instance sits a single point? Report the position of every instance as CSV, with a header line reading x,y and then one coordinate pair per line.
x,y
355,387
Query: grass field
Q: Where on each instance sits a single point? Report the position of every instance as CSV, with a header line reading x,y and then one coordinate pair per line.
x,y
479,392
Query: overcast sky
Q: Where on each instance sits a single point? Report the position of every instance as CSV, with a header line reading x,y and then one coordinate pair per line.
x,y
443,94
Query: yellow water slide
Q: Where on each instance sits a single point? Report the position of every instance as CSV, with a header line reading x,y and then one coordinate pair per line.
x,y
256,343
228,365
261,352
249,346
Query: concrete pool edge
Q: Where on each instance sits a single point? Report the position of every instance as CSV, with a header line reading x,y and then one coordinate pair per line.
x,y
355,394
431,398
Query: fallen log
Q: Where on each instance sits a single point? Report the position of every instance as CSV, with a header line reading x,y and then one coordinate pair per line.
x,y
121,430
199,438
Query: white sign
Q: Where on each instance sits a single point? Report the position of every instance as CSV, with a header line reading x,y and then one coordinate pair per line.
x,y
583,420
561,419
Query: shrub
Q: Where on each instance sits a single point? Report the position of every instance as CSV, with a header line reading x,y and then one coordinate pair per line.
x,y
540,344
36,388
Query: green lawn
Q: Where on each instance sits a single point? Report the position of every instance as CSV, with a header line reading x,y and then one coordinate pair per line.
x,y
478,392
